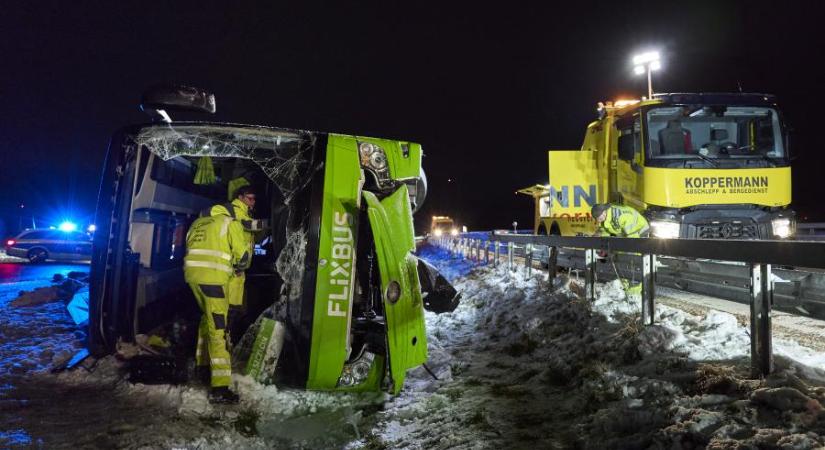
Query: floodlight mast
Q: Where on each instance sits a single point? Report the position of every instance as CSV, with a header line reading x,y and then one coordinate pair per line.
x,y
647,62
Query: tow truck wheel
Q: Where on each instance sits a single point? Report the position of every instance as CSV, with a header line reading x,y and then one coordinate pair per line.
x,y
37,255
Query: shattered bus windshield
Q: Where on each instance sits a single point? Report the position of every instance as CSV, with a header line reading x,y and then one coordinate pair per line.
x,y
711,132
283,155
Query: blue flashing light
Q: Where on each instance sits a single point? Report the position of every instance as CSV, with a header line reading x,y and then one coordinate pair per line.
x,y
67,226
92,228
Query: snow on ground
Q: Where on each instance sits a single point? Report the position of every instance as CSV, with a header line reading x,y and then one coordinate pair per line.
x,y
4,258
32,339
95,406
521,366
518,365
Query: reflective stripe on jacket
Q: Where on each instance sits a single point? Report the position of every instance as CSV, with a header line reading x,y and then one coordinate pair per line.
x,y
623,221
216,246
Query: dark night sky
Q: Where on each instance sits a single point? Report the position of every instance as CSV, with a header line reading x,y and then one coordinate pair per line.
x,y
486,90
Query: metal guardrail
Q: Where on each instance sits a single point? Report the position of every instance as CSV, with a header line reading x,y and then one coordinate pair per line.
x,y
810,231
757,256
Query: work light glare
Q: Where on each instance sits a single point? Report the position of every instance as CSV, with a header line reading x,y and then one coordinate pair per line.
x,y
639,70
655,65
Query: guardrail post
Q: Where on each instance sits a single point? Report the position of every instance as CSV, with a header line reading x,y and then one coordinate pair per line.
x,y
528,259
552,262
648,288
590,273
761,299
510,248
478,250
487,252
496,253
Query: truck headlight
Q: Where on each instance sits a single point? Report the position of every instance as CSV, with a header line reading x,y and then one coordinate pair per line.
x,y
664,229
454,232
438,232
781,227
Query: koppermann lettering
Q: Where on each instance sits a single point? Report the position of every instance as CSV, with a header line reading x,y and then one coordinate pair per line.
x,y
725,182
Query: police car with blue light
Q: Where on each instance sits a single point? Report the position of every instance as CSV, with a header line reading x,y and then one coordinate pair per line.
x,y
39,245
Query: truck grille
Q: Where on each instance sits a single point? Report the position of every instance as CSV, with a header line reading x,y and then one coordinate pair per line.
x,y
727,230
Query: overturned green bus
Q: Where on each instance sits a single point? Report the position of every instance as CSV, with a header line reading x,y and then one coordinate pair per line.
x,y
333,297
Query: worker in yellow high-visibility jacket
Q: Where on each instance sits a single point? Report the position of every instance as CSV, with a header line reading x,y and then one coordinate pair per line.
x,y
620,221
216,251
240,209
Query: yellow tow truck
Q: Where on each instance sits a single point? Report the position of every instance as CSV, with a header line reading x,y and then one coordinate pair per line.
x,y
443,226
709,166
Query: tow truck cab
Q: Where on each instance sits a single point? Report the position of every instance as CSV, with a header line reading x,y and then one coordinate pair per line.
x,y
708,166
335,267
443,226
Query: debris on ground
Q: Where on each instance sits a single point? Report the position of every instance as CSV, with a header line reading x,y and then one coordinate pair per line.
x,y
63,288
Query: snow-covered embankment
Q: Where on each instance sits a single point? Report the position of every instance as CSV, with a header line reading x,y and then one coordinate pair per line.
x,y
522,366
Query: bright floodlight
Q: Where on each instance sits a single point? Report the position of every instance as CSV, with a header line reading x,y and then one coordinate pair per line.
x,y
645,58
646,63
91,228
67,226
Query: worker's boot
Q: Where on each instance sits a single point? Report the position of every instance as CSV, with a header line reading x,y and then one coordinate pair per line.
x,y
222,395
